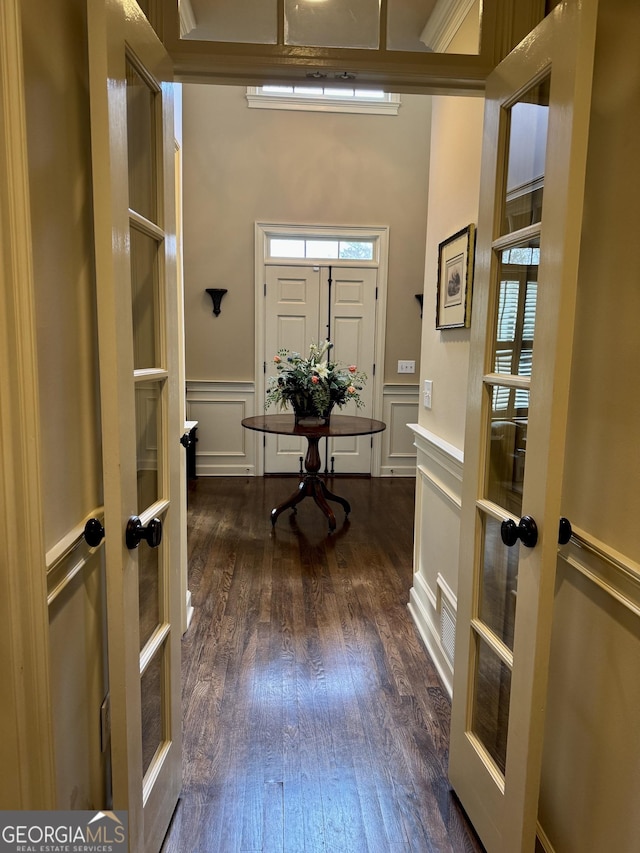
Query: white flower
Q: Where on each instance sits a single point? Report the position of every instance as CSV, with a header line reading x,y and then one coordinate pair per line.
x,y
322,370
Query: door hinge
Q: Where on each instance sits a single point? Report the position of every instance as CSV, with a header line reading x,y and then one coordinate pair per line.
x,y
264,366
374,369
265,288
376,291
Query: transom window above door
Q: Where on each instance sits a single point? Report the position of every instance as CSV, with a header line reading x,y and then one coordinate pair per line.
x,y
323,99
320,249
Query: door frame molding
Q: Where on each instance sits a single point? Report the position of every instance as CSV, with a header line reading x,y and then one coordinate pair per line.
x,y
380,235
26,714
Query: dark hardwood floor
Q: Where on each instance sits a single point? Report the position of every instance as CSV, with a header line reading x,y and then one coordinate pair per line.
x,y
313,718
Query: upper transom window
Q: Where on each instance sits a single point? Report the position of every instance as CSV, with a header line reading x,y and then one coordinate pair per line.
x,y
323,99
321,248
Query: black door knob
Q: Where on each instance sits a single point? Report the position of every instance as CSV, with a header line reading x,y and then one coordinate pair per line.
x,y
93,532
564,531
185,440
526,531
135,533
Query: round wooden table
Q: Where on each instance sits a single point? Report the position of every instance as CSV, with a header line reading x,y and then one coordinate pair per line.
x,y
311,484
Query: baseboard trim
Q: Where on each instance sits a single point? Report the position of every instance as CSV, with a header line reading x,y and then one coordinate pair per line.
x,y
431,639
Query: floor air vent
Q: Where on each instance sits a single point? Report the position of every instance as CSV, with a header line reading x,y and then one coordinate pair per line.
x,y
447,628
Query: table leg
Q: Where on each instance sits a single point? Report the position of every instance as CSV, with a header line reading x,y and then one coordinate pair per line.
x,y
312,486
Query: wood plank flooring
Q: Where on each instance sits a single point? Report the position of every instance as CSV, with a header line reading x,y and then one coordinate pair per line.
x,y
313,718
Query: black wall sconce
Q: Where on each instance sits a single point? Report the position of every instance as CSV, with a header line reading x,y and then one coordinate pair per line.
x,y
419,297
216,294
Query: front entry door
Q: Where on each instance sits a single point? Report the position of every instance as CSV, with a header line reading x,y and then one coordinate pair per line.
x,y
533,167
311,303
134,209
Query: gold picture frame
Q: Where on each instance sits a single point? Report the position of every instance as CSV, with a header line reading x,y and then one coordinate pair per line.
x,y
455,280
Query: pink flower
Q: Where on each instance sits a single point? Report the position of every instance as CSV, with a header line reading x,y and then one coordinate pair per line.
x,y
352,368
315,380
351,389
277,359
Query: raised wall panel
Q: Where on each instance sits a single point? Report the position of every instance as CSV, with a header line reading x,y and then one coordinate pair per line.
x,y
224,447
432,601
400,408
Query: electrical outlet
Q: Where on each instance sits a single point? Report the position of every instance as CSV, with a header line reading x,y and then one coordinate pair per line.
x,y
406,367
427,393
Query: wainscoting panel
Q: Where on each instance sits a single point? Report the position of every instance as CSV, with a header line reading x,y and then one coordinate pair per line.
x,y
400,407
432,602
224,447
591,725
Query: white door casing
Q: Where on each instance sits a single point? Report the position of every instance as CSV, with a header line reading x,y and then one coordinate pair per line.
x,y
134,211
502,800
358,301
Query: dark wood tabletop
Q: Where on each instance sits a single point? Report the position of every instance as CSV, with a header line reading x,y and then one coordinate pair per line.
x,y
337,426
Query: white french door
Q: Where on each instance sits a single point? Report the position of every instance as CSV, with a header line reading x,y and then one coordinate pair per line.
x,y
134,209
533,169
311,303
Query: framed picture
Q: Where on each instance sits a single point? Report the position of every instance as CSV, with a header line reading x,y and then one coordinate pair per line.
x,y
455,280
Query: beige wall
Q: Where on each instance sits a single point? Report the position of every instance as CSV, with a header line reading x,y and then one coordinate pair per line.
x,y
603,460
56,81
454,181
245,165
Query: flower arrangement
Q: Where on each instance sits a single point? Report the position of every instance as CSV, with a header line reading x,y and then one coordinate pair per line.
x,y
313,385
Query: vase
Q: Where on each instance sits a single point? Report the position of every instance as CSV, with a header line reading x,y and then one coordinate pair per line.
x,y
306,415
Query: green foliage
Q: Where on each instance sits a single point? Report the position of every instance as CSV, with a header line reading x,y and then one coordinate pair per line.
x,y
314,384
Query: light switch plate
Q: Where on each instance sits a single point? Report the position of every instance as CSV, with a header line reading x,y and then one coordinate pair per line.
x,y
427,393
406,367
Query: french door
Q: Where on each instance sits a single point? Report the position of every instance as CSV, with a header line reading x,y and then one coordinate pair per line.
x,y
532,185
311,303
133,162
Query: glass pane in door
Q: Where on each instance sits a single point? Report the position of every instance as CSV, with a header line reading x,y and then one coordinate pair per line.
x,y
507,446
141,144
516,308
148,592
151,695
144,296
148,396
490,713
499,582
528,119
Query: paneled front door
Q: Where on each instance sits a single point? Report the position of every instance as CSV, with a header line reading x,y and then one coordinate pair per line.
x,y
311,303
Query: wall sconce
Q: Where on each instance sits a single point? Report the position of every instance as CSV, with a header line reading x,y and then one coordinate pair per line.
x,y
419,297
216,294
